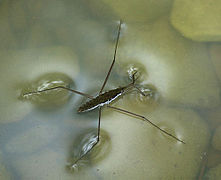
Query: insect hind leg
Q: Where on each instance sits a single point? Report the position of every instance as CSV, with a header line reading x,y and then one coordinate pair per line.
x,y
147,120
59,87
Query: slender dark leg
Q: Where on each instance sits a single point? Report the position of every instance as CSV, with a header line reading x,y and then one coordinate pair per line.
x,y
60,87
105,81
115,52
133,82
144,118
95,143
99,125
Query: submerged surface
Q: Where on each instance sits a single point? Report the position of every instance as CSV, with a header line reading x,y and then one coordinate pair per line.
x,y
71,43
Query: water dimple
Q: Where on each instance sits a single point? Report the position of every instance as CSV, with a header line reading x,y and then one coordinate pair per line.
x,y
133,66
47,99
150,92
145,103
83,148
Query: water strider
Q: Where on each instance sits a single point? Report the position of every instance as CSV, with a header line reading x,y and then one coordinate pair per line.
x,y
104,98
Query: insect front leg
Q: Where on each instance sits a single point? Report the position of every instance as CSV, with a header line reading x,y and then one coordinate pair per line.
x,y
141,92
134,85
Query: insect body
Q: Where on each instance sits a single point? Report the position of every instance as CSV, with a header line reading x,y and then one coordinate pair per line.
x,y
107,97
102,99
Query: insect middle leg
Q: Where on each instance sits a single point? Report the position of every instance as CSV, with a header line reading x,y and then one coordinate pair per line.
x,y
101,90
94,143
114,58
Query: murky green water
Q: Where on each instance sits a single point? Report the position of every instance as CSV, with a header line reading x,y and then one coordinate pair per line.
x,y
71,43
